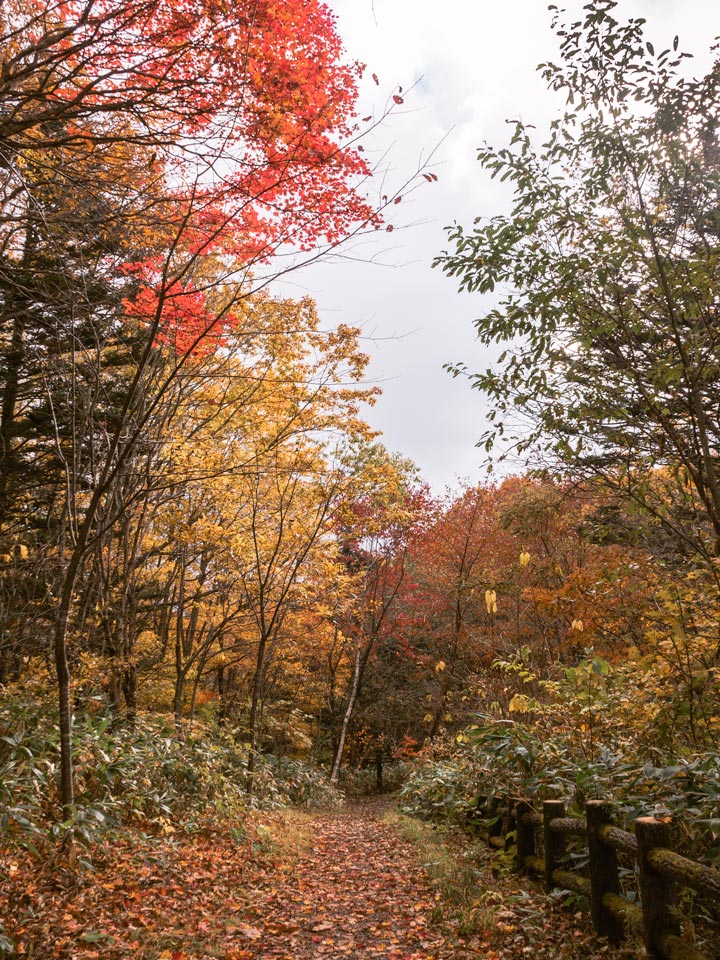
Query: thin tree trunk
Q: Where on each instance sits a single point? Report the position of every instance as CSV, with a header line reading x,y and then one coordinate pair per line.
x,y
67,785
196,684
12,362
348,716
130,692
222,688
62,669
254,709
178,703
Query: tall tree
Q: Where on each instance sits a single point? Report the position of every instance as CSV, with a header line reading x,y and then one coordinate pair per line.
x,y
374,533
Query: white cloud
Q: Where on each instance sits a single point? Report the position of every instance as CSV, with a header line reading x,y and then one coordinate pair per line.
x,y
478,64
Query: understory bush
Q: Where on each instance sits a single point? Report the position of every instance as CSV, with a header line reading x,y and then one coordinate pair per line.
x,y
282,781
141,775
363,782
502,758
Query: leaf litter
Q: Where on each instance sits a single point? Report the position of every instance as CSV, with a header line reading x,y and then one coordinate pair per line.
x,y
320,886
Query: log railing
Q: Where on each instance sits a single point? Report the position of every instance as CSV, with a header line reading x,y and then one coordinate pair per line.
x,y
661,871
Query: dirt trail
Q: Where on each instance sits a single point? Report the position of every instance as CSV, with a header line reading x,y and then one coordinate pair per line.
x,y
358,892
348,887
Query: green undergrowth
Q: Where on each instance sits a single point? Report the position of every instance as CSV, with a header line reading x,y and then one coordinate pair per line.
x,y
140,777
506,758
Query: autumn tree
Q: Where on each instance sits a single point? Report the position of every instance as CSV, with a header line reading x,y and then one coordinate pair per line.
x,y
504,585
608,297
374,534
154,155
453,565
296,481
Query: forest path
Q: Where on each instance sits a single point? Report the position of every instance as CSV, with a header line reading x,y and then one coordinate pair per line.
x,y
287,885
358,891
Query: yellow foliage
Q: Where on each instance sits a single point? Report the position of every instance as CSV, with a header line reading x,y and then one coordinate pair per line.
x,y
519,703
491,601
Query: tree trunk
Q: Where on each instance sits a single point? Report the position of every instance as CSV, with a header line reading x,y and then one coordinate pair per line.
x,y
254,710
178,703
62,669
222,687
130,693
12,362
196,684
67,785
347,716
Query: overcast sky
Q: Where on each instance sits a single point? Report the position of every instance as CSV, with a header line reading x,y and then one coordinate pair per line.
x,y
471,65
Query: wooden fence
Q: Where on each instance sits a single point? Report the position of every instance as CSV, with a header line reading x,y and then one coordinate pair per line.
x,y
661,872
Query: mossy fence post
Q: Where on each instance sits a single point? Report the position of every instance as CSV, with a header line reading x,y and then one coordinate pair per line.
x,y
603,869
525,833
657,893
554,843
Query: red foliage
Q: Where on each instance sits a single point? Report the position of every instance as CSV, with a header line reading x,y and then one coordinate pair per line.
x,y
179,313
248,108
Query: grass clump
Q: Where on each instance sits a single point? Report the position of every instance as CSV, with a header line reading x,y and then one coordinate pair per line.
x,y
454,866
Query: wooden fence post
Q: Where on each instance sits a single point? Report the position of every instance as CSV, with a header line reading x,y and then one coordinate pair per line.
x,y
525,833
603,868
554,842
509,823
657,894
494,829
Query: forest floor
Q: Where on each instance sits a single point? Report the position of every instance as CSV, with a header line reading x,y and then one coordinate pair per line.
x,y
361,882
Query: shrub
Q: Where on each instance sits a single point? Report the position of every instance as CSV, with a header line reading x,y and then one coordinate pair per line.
x,y
134,775
282,781
508,758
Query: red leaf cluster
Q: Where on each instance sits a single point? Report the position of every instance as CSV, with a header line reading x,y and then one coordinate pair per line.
x,y
246,111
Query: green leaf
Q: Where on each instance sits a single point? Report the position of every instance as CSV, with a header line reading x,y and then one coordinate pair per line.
x,y
96,936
